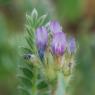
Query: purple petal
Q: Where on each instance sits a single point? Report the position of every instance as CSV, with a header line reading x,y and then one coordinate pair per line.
x,y
59,43
55,27
71,45
41,37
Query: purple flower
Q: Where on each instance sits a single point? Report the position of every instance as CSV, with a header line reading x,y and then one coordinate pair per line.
x,y
58,44
41,38
41,41
55,27
71,45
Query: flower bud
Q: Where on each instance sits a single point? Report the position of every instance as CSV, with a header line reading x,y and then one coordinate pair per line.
x,y
41,41
55,27
41,37
71,45
58,44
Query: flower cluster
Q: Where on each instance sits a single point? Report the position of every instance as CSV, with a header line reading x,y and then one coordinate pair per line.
x,y
59,42
50,55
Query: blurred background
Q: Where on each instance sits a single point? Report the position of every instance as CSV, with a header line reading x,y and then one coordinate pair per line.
x,y
76,16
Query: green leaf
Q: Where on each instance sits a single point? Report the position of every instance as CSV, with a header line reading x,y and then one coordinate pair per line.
x,y
34,14
41,20
29,20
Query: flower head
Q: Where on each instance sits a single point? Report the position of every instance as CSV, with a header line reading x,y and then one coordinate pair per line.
x,y
41,37
55,27
41,41
71,45
58,44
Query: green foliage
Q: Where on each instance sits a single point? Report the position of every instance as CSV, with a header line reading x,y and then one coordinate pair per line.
x,y
32,22
30,74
